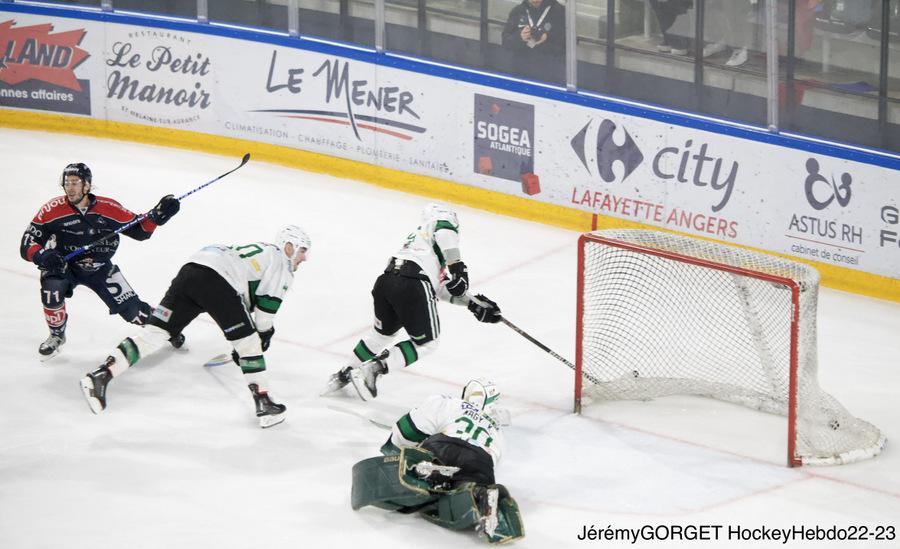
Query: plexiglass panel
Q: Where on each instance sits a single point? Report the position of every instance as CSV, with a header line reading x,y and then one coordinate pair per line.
x,y
445,30
891,138
269,14
349,21
179,8
733,53
834,92
94,3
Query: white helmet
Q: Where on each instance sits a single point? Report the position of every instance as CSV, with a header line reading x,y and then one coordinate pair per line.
x,y
435,211
481,392
296,236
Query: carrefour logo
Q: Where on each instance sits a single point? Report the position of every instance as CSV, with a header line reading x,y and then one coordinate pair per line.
x,y
608,152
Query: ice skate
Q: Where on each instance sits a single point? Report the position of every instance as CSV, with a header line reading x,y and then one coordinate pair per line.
x,y
94,385
51,346
268,412
177,340
367,375
337,381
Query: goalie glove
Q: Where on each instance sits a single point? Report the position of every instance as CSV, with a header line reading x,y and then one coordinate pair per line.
x,y
484,309
164,210
266,338
459,279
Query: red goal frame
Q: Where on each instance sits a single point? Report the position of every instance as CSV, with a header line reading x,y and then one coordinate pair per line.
x,y
792,459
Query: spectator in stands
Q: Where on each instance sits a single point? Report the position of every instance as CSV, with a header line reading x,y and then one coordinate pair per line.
x,y
667,12
743,26
535,33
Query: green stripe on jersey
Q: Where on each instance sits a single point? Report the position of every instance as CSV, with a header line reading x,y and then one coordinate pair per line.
x,y
362,352
438,253
409,430
268,304
409,351
253,285
445,225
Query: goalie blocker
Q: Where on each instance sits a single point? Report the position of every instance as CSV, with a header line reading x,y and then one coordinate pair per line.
x,y
413,482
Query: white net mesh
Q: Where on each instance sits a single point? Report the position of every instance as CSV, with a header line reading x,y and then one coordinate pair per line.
x,y
656,326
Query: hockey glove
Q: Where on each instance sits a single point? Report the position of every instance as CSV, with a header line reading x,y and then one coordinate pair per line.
x,y
489,312
266,338
50,260
167,207
459,279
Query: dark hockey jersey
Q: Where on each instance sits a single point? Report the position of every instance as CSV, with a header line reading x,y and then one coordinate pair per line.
x,y
70,229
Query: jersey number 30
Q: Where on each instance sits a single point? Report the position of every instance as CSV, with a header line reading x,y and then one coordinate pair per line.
x,y
466,429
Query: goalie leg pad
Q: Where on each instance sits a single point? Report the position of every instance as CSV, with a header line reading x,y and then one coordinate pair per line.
x,y
510,526
376,481
458,510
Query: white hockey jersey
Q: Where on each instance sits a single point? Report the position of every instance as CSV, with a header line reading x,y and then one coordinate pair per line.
x,y
260,273
453,417
433,245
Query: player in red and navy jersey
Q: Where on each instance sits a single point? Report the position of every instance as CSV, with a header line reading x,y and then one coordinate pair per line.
x,y
67,223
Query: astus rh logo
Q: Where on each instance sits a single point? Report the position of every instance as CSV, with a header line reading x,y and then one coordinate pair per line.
x,y
33,53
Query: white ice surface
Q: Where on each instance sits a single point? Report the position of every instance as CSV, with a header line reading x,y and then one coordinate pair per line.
x,y
178,461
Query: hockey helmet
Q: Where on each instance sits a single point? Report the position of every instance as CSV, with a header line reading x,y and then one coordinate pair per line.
x,y
78,169
481,392
296,236
435,211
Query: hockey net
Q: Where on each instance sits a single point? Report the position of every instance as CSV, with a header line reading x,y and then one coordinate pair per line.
x,y
661,314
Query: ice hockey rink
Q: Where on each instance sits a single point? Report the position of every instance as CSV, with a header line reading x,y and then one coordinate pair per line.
x,y
178,461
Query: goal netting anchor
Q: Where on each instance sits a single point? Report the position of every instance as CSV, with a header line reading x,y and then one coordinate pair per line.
x,y
661,314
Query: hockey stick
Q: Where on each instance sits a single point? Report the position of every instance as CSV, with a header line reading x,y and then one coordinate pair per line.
x,y
527,336
347,410
143,216
219,360
524,334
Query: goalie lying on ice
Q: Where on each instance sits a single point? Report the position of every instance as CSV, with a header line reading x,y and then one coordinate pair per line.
x,y
439,462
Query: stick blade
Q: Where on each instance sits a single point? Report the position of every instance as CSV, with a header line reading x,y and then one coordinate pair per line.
x,y
245,159
218,360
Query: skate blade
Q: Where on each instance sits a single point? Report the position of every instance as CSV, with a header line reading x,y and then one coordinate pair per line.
x,y
357,381
87,388
268,421
45,358
333,385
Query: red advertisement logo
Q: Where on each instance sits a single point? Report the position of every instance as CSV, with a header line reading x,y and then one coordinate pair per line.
x,y
55,318
33,53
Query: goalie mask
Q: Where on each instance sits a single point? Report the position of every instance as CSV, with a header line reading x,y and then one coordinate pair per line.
x,y
294,235
483,393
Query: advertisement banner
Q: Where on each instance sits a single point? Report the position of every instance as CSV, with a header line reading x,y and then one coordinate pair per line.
x,y
734,190
39,67
158,77
504,132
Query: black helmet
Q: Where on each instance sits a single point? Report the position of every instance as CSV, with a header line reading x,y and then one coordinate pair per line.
x,y
79,169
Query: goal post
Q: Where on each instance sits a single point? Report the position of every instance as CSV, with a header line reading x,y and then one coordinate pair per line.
x,y
660,314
